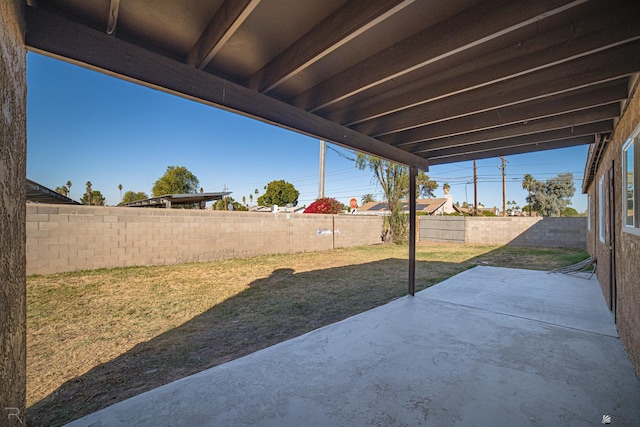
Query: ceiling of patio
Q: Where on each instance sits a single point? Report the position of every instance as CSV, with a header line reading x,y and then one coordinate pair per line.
x,y
418,82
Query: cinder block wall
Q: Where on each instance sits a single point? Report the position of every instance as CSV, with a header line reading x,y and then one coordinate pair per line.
x,y
67,238
449,229
516,231
13,146
525,231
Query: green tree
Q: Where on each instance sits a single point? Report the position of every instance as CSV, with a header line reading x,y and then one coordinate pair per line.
x,y
132,196
394,181
279,193
95,198
176,180
120,188
551,197
527,181
425,187
68,188
223,205
569,212
62,190
366,198
250,199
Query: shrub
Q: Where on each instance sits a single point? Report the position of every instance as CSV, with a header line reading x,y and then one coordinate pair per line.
x,y
326,205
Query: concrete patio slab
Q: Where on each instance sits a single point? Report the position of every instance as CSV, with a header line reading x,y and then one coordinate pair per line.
x,y
490,346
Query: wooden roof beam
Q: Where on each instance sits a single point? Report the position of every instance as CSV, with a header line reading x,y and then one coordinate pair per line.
x,y
594,69
530,148
566,102
586,36
55,36
345,24
576,118
224,24
112,20
479,24
523,140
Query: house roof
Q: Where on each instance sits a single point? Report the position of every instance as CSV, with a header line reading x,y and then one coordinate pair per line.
x,y
38,193
177,199
417,82
422,205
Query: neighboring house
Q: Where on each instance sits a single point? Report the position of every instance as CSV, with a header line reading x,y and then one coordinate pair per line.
x,y
612,183
436,206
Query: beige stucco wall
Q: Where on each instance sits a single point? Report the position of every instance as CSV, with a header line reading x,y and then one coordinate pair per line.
x,y
627,246
66,238
13,140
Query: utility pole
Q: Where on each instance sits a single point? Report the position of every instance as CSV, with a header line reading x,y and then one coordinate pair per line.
x,y
475,189
224,197
504,188
323,155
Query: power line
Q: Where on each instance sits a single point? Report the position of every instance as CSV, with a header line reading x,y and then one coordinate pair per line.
x,y
341,154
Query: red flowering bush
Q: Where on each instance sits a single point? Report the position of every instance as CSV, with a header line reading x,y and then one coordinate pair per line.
x,y
326,205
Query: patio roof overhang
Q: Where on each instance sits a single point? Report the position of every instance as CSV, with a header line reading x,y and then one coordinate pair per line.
x,y
169,200
416,82
38,193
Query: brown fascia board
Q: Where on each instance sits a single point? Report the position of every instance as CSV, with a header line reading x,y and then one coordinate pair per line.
x,y
597,149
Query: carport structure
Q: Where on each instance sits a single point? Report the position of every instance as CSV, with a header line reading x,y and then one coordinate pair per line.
x,y
415,82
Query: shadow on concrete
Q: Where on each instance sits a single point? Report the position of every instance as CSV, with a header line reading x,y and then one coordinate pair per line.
x,y
295,303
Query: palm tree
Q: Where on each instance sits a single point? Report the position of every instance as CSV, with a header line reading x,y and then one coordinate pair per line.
x,y
366,198
89,191
69,188
250,199
120,188
446,187
244,201
527,182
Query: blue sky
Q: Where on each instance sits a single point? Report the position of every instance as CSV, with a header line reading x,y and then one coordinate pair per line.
x,y
86,126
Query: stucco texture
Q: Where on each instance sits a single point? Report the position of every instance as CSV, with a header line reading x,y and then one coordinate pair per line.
x,y
13,92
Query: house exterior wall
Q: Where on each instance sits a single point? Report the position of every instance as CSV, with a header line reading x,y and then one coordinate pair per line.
x,y
67,238
13,144
627,246
515,231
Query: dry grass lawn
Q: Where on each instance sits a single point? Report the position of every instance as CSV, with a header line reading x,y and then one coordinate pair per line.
x,y
97,337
